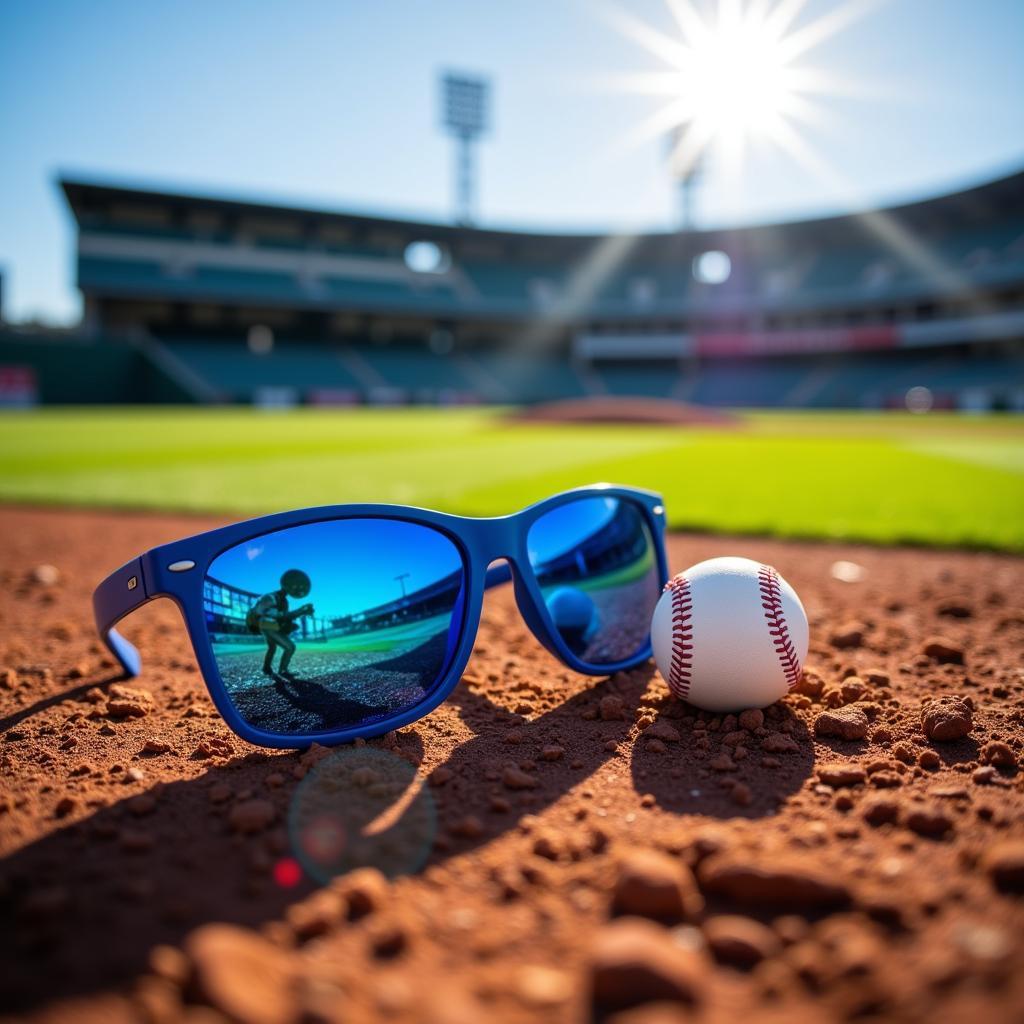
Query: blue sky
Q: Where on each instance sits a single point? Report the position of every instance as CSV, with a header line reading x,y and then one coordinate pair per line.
x,y
565,527
352,563
335,104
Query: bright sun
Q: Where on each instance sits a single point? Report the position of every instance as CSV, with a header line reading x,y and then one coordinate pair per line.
x,y
735,77
733,74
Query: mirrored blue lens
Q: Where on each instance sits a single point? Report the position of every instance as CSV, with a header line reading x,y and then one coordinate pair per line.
x,y
597,567
334,624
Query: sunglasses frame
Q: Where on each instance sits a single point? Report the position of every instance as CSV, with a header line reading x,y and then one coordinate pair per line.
x,y
177,571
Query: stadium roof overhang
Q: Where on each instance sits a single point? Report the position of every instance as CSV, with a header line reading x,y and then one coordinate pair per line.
x,y
90,201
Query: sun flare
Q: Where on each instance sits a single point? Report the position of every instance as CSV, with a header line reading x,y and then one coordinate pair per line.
x,y
734,73
735,80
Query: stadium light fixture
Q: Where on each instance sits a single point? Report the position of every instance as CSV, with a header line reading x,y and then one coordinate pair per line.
x,y
465,102
687,176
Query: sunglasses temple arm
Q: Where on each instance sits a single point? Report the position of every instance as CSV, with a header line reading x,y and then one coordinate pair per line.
x,y
497,574
120,593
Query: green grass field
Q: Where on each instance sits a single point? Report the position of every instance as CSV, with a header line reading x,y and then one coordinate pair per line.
x,y
886,478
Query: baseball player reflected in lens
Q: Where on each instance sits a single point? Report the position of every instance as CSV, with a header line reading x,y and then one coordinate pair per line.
x,y
384,624
271,616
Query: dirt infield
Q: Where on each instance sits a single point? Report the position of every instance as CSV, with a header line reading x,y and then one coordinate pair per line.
x,y
593,849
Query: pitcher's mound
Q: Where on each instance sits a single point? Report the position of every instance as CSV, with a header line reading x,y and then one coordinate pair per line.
x,y
608,409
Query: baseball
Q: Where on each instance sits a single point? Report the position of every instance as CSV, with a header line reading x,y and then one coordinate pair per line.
x,y
729,634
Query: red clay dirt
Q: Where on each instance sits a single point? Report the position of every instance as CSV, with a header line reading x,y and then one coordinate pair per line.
x,y
602,851
624,409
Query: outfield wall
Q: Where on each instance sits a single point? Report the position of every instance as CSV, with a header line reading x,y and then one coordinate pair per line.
x,y
75,370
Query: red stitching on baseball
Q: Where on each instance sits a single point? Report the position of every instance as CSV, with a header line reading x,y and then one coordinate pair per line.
x,y
771,602
680,670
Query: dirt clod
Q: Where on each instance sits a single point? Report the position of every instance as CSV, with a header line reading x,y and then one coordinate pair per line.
x,y
634,961
128,702
516,778
998,754
242,975
365,891
653,884
929,821
251,816
613,709
752,719
845,723
881,811
850,634
779,743
1005,864
943,650
843,774
946,719
740,941
772,881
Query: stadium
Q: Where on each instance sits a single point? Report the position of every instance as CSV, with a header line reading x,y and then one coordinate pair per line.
x,y
570,572
201,300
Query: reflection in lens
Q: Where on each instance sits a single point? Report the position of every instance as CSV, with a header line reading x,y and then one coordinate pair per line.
x,y
362,807
596,565
334,624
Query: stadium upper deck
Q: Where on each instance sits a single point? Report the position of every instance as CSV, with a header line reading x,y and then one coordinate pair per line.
x,y
202,299
151,258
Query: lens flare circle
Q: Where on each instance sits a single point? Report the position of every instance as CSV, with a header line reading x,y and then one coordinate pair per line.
x,y
287,873
919,399
712,267
426,257
323,839
361,807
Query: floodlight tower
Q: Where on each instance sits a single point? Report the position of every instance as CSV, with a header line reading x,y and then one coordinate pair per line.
x,y
685,172
465,100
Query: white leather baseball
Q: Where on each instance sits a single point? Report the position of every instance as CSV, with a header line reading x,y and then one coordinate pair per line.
x,y
729,634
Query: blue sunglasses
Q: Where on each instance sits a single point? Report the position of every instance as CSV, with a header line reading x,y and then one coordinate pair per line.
x,y
330,624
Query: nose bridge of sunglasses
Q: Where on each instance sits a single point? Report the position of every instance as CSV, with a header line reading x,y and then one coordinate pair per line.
x,y
507,569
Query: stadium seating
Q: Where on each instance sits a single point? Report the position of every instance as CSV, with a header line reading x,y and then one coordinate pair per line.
x,y
760,383
846,305
239,374
831,275
415,370
813,382
532,377
74,369
657,380
378,373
